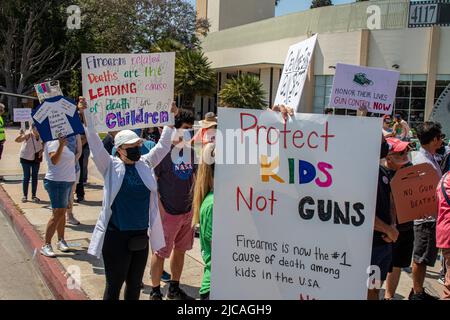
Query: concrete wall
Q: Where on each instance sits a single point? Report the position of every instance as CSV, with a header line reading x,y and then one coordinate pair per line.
x,y
273,52
224,14
336,47
406,47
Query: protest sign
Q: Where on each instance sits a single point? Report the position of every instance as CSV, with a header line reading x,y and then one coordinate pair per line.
x,y
48,89
294,73
22,114
57,117
364,89
298,222
414,192
128,91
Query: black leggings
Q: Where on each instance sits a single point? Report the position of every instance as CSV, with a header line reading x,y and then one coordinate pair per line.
x,y
123,265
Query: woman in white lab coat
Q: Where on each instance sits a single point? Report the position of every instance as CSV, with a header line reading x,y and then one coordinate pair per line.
x,y
130,215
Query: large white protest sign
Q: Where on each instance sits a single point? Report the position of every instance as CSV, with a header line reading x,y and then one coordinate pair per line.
x,y
295,72
364,89
128,91
22,114
298,224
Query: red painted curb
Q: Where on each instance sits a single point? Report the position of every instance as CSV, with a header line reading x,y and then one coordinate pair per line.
x,y
51,269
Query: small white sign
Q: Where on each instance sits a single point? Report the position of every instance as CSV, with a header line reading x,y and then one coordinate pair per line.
x,y
295,72
22,114
364,89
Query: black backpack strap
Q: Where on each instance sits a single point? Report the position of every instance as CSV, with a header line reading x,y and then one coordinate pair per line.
x,y
443,189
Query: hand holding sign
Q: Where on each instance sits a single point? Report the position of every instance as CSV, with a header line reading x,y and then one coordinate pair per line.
x,y
57,117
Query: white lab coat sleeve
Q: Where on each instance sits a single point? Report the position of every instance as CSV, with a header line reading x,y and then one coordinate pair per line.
x,y
162,148
156,232
101,157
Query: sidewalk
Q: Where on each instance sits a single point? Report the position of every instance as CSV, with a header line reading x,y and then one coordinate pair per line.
x,y
91,269
78,237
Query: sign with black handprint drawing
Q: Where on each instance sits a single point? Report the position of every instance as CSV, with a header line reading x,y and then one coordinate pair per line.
x,y
294,74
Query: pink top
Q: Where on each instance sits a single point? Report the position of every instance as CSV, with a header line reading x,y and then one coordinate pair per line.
x,y
443,219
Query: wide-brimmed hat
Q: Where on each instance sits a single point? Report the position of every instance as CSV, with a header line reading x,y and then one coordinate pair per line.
x,y
209,121
125,137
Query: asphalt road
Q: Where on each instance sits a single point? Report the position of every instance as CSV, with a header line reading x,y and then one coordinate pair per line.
x,y
19,279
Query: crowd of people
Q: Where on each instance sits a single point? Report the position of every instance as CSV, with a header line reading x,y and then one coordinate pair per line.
x,y
398,246
150,196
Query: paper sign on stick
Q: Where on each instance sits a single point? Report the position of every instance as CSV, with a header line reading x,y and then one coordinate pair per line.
x,y
414,191
295,72
128,91
22,114
364,89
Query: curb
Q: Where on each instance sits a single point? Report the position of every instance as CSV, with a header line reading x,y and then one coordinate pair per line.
x,y
51,269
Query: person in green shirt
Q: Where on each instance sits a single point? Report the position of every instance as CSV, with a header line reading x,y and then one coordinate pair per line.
x,y
202,206
2,129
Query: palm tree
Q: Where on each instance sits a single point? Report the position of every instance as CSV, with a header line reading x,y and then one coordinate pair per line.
x,y
167,45
193,77
244,91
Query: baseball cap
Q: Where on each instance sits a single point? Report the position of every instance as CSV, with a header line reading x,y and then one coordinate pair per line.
x,y
397,145
125,137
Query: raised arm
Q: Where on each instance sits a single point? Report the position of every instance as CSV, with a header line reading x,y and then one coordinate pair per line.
x,y
101,157
22,136
162,148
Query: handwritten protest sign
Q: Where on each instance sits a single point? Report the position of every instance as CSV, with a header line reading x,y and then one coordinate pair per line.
x,y
22,114
298,222
57,117
128,91
414,192
295,72
364,89
48,89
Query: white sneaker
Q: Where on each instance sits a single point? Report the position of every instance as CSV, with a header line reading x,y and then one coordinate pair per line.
x,y
62,246
73,221
47,251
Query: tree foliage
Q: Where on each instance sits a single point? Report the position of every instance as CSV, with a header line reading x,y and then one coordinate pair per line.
x,y
321,3
33,45
193,76
244,91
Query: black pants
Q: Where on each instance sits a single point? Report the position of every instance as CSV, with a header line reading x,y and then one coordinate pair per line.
x,y
123,265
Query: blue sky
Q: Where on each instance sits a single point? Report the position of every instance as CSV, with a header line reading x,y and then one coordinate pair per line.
x,y
290,6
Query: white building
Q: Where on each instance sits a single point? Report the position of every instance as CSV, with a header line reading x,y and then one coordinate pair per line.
x,y
246,37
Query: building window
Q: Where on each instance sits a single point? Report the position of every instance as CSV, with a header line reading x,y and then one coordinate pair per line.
x,y
410,98
442,81
322,93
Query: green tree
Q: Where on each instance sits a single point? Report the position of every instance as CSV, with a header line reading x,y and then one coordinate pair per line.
x,y
193,76
244,91
321,3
